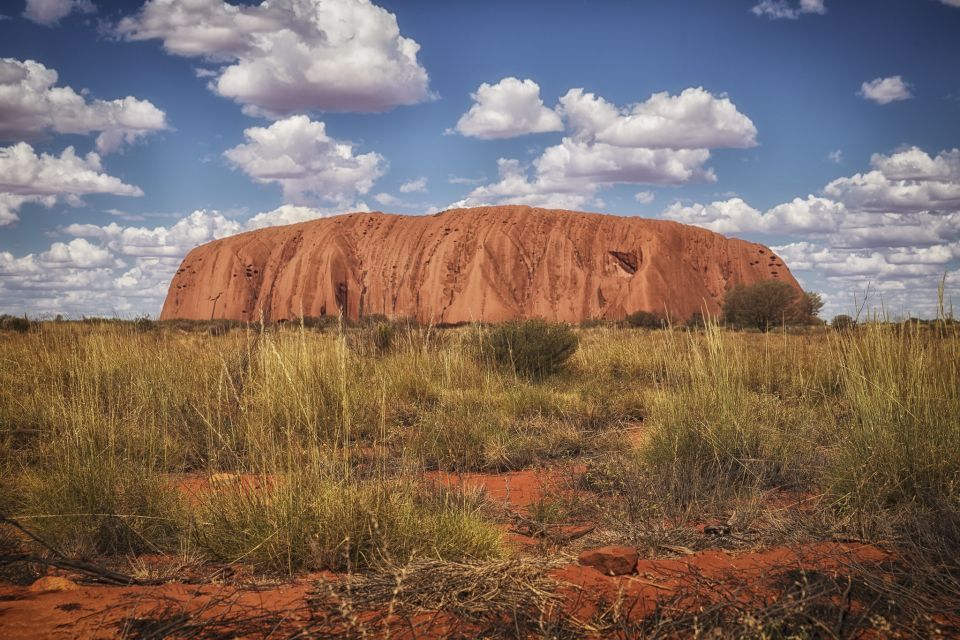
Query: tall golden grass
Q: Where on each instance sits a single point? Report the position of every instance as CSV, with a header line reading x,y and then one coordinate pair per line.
x,y
100,425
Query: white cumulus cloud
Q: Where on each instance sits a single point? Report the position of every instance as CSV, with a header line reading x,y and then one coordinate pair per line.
x,y
414,186
665,140
308,164
284,56
568,175
725,216
31,105
886,90
508,109
50,12
903,182
23,172
158,242
47,178
76,253
644,197
694,119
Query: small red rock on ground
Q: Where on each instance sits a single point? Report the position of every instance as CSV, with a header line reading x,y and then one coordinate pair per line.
x,y
48,584
611,561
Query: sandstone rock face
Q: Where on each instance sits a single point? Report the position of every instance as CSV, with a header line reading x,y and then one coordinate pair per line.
x,y
463,265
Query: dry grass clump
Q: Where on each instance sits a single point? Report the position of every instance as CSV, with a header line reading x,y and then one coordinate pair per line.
x,y
710,429
165,397
513,598
897,449
495,427
301,522
101,504
868,417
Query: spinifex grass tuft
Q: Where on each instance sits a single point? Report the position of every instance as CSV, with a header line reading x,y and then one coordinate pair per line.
x,y
898,445
99,504
710,430
303,521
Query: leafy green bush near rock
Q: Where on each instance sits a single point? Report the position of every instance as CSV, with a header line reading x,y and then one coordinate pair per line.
x,y
768,304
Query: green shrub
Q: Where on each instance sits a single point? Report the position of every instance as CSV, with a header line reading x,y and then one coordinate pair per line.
x,y
319,323
696,321
144,324
532,348
769,303
808,307
645,320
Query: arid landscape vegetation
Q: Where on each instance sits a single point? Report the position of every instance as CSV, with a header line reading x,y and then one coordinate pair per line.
x,y
526,320
321,479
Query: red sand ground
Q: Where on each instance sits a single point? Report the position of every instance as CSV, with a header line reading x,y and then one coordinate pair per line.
x,y
96,611
514,489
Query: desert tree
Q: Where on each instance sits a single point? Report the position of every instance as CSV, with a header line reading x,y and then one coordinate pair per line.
x,y
769,303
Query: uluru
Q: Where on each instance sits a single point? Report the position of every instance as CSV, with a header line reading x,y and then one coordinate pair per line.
x,y
484,264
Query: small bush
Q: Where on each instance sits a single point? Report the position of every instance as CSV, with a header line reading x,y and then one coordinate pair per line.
x,y
373,339
843,322
144,324
532,348
645,320
696,321
14,323
318,323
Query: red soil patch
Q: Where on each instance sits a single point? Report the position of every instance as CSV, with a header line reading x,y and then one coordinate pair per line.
x,y
656,579
194,486
100,611
515,489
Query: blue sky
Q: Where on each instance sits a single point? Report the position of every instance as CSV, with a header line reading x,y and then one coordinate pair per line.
x,y
132,131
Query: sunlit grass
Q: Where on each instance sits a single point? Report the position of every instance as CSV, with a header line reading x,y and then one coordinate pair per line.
x,y
97,423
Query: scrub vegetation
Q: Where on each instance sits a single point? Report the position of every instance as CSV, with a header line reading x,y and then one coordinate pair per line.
x,y
316,446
